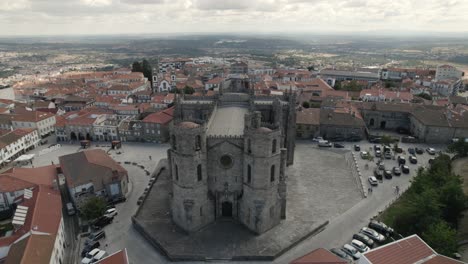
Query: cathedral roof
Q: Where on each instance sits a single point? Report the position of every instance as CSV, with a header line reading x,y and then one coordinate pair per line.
x,y
188,124
264,130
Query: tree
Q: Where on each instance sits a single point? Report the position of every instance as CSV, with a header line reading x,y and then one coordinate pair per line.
x,y
386,140
305,104
147,69
188,90
338,86
441,237
453,200
352,86
460,148
137,67
425,96
93,208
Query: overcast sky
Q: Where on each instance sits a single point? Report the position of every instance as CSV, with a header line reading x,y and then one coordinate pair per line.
x,y
56,17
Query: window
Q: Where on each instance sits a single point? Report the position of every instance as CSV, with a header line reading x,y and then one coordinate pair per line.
x,y
272,173
176,173
199,172
198,143
249,174
249,146
174,145
273,147
272,211
201,210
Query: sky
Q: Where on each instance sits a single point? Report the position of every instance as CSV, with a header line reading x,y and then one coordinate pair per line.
x,y
97,17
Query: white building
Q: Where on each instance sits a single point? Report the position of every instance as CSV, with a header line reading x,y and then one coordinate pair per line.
x,y
43,122
448,72
17,142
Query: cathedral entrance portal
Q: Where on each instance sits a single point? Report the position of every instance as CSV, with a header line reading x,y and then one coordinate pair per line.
x,y
226,209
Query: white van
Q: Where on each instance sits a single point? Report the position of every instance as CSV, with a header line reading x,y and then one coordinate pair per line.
x,y
90,256
70,209
99,255
324,143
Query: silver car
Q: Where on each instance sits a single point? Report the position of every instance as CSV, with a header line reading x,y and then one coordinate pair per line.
x,y
373,234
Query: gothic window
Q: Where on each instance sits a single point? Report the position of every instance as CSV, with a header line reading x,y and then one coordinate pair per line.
x,y
272,173
273,146
174,145
201,210
199,172
176,173
198,143
249,146
249,174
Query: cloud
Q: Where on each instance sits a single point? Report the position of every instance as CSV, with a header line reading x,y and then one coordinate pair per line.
x,y
155,16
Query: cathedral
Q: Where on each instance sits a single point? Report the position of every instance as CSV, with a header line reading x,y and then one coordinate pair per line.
x,y
228,157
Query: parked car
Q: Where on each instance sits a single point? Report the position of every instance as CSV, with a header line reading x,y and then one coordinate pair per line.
x,y
388,174
396,171
99,256
357,148
381,227
340,253
401,160
352,251
375,140
398,150
89,256
387,148
325,144
117,200
419,151
101,222
317,139
413,160
431,151
411,151
364,155
381,165
373,181
378,153
361,247
364,239
387,155
89,247
374,235
338,145
95,237
111,212
405,169
70,209
377,147
378,174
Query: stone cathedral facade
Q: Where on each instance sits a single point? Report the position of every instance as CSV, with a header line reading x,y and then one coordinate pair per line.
x,y
228,158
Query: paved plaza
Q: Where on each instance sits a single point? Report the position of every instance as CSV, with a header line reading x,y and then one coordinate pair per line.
x,y
320,187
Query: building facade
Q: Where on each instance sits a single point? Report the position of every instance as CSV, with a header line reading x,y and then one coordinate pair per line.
x,y
228,157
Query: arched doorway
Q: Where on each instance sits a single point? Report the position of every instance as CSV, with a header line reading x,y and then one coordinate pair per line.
x,y
80,136
73,136
383,124
371,123
226,209
88,137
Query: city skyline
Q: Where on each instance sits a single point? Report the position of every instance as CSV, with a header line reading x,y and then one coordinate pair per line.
x,y
92,17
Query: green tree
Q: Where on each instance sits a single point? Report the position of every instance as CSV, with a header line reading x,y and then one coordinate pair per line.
x,y
338,86
306,104
386,140
188,90
425,96
352,86
147,70
460,148
453,200
441,237
137,67
93,208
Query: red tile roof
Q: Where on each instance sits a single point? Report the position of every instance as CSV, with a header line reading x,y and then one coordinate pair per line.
x,y
11,184
162,117
319,256
119,257
47,211
439,259
40,175
404,251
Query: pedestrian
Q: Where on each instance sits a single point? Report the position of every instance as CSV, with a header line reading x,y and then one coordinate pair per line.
x,y
371,190
150,157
